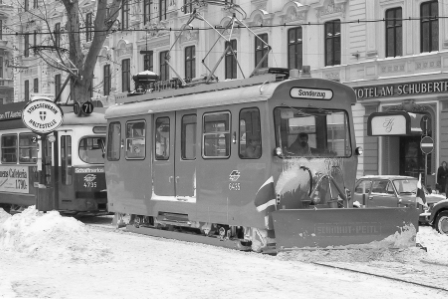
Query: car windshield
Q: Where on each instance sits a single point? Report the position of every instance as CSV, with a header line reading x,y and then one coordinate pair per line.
x,y
91,149
312,132
406,185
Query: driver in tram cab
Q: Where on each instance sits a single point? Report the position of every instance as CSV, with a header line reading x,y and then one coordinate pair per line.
x,y
300,146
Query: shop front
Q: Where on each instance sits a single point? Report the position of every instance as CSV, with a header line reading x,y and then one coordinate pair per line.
x,y
398,116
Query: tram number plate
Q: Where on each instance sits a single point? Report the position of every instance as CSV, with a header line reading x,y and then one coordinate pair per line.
x,y
90,184
234,186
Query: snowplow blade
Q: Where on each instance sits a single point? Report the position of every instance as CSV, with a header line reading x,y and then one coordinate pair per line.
x,y
321,228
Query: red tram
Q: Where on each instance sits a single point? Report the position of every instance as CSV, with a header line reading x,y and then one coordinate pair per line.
x,y
61,171
250,164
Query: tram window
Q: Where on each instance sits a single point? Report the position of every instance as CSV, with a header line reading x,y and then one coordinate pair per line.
x,y
9,148
250,134
162,136
66,159
312,132
188,140
216,135
90,149
114,141
27,148
135,140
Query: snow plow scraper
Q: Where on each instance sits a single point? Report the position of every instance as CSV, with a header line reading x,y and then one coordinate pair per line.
x,y
390,227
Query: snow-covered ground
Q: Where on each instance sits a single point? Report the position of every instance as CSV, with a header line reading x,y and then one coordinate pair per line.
x,y
49,256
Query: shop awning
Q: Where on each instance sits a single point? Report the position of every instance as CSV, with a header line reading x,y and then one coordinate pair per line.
x,y
394,123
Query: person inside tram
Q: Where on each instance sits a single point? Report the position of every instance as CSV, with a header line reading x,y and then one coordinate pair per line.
x,y
253,150
300,146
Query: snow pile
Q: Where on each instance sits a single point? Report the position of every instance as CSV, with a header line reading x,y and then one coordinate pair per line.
x,y
49,236
394,248
3,216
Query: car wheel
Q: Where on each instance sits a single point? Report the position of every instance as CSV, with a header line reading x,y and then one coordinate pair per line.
x,y
441,223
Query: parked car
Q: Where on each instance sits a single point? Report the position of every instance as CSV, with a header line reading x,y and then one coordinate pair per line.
x,y
438,218
393,191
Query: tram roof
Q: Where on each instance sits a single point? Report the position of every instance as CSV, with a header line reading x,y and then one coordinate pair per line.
x,y
71,118
215,97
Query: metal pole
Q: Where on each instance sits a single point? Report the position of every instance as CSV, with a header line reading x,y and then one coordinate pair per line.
x,y
426,167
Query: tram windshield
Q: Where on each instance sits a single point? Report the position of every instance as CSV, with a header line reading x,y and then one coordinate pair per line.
x,y
312,132
91,149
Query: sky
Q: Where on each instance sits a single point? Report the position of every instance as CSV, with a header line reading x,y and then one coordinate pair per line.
x,y
45,255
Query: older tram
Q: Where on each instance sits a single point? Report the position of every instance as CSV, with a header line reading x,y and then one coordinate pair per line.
x,y
61,171
251,164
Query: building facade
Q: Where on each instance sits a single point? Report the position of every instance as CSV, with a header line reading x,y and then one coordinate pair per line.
x,y
6,57
392,52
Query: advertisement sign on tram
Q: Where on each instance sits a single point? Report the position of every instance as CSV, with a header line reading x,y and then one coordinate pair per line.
x,y
14,178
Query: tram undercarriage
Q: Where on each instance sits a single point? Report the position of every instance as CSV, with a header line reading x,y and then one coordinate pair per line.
x,y
222,235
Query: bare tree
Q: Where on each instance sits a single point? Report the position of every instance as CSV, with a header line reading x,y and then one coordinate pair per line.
x,y
72,58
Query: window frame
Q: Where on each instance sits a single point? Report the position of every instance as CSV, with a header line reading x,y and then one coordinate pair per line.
x,y
67,159
27,146
298,59
109,141
126,138
190,63
262,51
156,157
27,90
394,26
231,60
215,133
148,58
9,147
126,75
184,139
433,43
146,11
36,85
89,27
57,35
336,59
106,80
57,84
125,15
162,10
240,135
164,68
26,45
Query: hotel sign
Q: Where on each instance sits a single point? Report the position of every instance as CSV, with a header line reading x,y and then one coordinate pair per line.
x,y
402,89
394,123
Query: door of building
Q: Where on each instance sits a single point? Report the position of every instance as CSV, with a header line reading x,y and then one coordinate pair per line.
x,y
412,160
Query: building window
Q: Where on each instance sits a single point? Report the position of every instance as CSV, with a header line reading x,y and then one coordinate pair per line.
x,y
162,10
35,3
394,32
295,54
89,27
1,67
146,11
27,91
147,61
188,6
125,15
34,41
333,43
126,75
26,5
57,35
106,80
36,85
1,29
163,66
66,159
190,62
57,85
429,26
261,49
231,60
26,51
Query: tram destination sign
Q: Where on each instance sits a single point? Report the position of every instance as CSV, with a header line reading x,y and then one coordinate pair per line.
x,y
401,90
307,93
42,116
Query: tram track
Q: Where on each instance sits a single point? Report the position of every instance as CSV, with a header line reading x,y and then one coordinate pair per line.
x,y
110,228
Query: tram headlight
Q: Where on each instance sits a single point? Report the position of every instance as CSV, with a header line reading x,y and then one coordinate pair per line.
x,y
358,151
278,151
